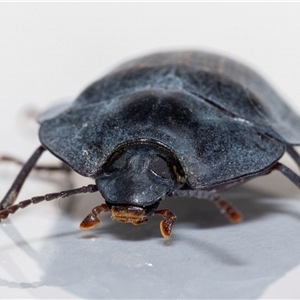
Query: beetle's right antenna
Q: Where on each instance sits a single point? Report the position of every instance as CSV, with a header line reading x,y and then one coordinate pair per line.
x,y
14,190
224,206
91,188
227,208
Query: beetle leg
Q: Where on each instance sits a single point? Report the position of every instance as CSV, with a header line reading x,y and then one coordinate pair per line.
x,y
292,176
92,220
62,167
166,225
294,154
48,197
14,190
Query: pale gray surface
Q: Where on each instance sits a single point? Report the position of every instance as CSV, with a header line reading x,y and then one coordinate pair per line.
x,y
206,257
49,51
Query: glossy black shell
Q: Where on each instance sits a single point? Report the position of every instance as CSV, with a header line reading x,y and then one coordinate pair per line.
x,y
220,118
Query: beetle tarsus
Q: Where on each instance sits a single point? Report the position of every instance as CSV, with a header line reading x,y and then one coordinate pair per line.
x,y
92,220
166,225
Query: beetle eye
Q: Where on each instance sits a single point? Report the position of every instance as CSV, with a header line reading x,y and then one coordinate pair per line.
x,y
160,167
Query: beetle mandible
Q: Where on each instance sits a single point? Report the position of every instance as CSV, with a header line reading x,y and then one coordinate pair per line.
x,y
168,124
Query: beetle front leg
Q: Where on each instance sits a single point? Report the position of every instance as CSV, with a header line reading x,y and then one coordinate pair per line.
x,y
166,225
92,220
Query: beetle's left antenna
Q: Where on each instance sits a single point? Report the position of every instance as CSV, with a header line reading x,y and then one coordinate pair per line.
x,y
91,188
14,190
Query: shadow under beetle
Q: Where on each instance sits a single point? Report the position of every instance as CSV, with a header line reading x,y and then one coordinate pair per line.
x,y
168,124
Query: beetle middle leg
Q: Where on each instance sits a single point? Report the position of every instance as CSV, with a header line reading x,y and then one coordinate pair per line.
x,y
294,154
287,172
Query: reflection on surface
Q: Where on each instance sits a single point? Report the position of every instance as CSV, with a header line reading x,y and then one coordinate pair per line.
x,y
207,257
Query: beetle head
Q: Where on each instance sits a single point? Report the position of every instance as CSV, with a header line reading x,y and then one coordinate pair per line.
x,y
136,177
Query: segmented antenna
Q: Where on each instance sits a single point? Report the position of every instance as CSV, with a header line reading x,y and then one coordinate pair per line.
x,y
227,209
91,188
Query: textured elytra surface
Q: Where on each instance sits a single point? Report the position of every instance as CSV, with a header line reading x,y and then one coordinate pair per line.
x,y
222,120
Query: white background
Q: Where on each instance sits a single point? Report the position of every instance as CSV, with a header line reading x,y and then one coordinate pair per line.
x,y
51,51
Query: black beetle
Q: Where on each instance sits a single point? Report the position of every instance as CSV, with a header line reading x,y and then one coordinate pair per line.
x,y
168,124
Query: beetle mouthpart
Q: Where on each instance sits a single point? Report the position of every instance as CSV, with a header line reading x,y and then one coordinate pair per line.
x,y
129,214
92,220
139,215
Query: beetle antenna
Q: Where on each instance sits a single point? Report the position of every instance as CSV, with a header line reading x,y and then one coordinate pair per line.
x,y
14,190
227,208
91,188
224,206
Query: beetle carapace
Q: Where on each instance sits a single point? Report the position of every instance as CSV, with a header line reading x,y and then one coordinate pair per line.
x,y
169,124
